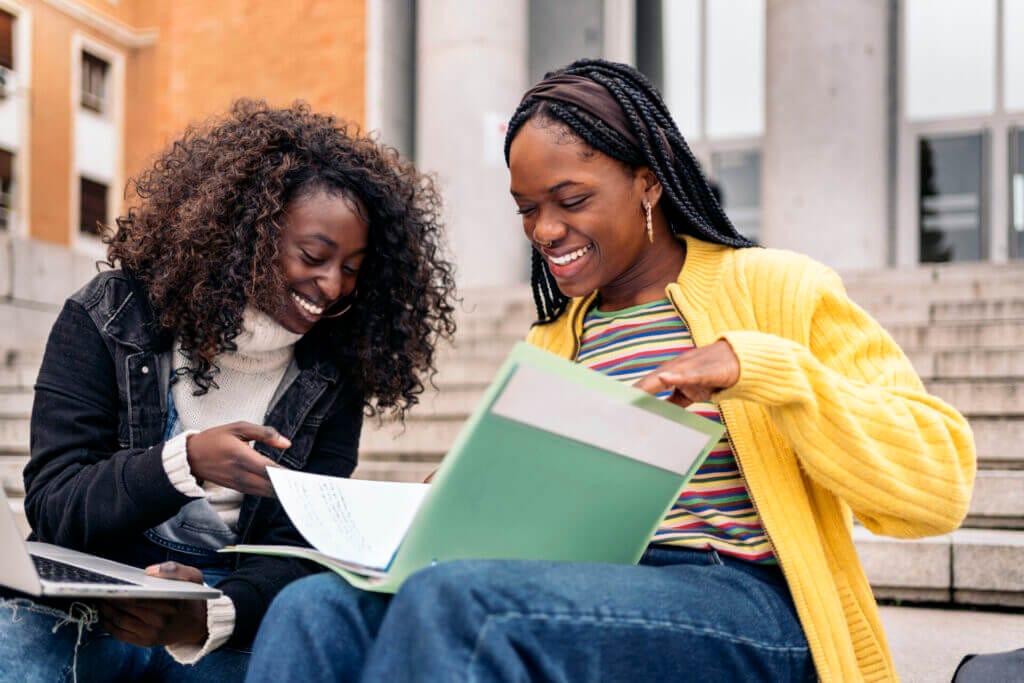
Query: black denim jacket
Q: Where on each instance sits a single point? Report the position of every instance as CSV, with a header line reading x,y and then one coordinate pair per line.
x,y
95,480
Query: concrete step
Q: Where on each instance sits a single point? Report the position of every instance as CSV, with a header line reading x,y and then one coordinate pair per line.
x,y
985,310
999,441
418,438
925,276
15,403
967,567
927,644
969,363
976,398
998,500
959,335
11,467
467,373
21,376
394,471
14,435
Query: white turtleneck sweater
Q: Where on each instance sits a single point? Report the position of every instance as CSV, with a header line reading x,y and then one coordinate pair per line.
x,y
246,383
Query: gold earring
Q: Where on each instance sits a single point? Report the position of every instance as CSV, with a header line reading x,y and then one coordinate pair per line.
x,y
650,224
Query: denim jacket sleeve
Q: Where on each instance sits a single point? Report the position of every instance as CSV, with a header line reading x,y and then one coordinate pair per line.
x,y
82,490
258,578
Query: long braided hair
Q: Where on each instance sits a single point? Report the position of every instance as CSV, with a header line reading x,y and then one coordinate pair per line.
x,y
689,204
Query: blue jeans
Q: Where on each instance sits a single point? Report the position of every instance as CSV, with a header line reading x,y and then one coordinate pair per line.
x,y
53,642
681,613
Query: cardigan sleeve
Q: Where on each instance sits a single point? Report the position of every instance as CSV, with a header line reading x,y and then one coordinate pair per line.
x,y
859,419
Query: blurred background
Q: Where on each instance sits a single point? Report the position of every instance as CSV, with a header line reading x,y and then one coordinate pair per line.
x,y
883,137
867,134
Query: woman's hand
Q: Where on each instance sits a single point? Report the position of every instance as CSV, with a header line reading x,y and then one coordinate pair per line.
x,y
695,375
223,455
148,623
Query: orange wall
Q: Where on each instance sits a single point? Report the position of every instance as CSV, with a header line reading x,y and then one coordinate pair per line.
x,y
210,53
207,53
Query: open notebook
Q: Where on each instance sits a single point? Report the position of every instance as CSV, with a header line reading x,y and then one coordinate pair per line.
x,y
557,462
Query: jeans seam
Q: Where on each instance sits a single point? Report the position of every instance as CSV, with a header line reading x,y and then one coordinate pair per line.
x,y
621,622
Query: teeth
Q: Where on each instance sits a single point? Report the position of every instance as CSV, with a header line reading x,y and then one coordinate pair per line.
x,y
306,305
571,256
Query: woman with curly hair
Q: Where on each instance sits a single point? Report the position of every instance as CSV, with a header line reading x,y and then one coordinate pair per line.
x,y
279,277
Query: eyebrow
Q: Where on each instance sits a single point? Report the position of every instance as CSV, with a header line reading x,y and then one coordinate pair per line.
x,y
553,188
321,238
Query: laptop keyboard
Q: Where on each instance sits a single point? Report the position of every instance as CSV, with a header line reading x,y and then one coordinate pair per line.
x,y
52,570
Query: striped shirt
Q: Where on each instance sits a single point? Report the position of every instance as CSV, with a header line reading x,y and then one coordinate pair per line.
x,y
715,509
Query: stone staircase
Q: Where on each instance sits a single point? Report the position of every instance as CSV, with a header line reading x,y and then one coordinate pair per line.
x,y
961,326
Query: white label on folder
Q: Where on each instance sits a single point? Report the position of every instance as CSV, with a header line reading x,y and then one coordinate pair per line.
x,y
557,405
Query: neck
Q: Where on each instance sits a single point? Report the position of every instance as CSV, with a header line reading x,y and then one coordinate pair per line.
x,y
645,281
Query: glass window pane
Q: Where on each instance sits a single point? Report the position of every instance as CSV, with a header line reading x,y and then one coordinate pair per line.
x,y
1017,194
951,197
950,58
1013,54
737,175
735,68
681,48
92,209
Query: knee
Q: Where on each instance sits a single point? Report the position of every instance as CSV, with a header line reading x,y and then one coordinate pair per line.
x,y
460,582
321,593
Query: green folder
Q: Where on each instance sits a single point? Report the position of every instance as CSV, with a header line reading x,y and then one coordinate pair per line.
x,y
557,462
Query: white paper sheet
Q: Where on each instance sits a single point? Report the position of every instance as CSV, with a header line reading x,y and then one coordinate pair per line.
x,y
361,522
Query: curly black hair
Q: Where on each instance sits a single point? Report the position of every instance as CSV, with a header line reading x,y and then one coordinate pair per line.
x,y
690,205
203,240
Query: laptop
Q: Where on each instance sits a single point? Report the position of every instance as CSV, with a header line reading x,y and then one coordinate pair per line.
x,y
42,569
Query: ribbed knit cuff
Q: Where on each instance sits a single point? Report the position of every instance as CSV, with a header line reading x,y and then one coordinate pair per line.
x,y
768,369
175,457
220,624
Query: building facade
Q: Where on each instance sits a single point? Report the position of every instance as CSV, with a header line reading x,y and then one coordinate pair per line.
x,y
868,134
93,88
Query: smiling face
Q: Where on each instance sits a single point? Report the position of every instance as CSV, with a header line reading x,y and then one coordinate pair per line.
x,y
322,248
583,212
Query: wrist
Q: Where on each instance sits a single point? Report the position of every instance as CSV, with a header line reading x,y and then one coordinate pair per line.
x,y
189,460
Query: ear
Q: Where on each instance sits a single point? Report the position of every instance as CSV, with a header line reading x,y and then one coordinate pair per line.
x,y
649,184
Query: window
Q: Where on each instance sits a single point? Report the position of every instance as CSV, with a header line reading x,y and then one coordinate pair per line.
x,y
943,81
1017,193
709,57
6,40
6,186
951,199
92,207
738,176
1013,48
94,82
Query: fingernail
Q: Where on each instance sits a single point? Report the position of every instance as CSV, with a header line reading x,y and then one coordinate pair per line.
x,y
168,567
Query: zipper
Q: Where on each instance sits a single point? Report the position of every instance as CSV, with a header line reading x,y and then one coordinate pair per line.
x,y
732,446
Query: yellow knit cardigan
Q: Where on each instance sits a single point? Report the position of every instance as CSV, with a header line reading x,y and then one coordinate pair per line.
x,y
828,416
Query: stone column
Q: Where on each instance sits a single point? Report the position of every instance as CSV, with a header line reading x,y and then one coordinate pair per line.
x,y
471,72
826,173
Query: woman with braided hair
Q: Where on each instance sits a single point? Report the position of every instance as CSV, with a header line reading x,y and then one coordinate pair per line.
x,y
753,575
279,277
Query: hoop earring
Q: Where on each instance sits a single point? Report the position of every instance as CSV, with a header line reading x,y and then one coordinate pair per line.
x,y
650,223
343,311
